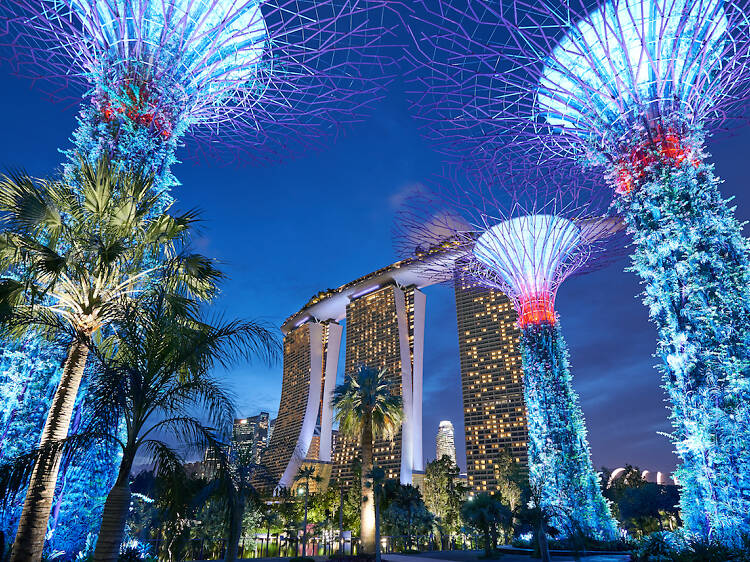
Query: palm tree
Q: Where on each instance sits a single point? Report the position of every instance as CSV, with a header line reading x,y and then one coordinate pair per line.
x,y
377,476
269,518
539,518
153,374
486,513
235,486
306,474
368,407
73,249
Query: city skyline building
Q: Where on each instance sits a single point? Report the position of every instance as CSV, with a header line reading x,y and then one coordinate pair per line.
x,y
385,330
384,314
445,441
250,435
311,352
491,382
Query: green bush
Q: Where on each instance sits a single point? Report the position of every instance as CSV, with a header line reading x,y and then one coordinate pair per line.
x,y
674,547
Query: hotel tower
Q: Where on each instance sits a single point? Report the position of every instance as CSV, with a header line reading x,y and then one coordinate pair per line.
x,y
491,381
385,329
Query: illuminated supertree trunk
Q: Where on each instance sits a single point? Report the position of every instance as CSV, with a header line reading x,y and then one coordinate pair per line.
x,y
627,90
693,261
527,249
528,256
559,457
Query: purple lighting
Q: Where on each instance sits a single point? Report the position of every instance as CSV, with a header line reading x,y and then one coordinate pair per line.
x,y
364,292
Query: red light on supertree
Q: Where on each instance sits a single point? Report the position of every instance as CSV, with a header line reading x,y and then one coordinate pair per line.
x,y
663,146
535,309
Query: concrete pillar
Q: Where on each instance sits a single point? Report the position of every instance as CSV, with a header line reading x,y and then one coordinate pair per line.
x,y
332,363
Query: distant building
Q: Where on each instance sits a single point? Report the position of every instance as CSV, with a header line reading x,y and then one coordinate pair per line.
x,y
492,382
250,436
445,442
199,469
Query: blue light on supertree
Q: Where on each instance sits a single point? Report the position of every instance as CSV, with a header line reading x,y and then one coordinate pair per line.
x,y
628,88
257,79
526,248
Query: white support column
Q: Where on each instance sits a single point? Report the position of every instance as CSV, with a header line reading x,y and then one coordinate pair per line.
x,y
332,364
311,411
420,301
407,445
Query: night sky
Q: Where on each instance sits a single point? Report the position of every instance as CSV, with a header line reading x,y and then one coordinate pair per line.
x,y
285,232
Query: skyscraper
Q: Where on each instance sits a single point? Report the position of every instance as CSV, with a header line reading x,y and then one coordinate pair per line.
x,y
491,381
385,329
311,353
445,443
250,435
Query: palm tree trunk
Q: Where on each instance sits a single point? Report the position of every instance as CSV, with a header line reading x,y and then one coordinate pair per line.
x,y
114,515
235,532
542,538
377,527
268,538
32,527
367,513
304,524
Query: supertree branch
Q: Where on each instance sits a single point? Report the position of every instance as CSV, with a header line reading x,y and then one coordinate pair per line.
x,y
472,226
627,90
576,76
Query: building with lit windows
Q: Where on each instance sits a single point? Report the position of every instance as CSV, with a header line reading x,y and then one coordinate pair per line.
x,y
381,326
311,352
445,442
491,381
250,436
384,315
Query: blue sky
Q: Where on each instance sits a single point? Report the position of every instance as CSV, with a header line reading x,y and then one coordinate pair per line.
x,y
286,231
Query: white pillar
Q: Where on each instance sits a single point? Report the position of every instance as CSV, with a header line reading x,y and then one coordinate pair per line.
x,y
311,411
419,320
407,445
332,364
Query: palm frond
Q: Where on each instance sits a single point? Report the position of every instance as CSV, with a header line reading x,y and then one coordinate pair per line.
x,y
368,392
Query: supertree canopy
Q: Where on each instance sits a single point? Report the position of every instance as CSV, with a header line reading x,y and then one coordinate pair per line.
x,y
627,89
260,76
527,248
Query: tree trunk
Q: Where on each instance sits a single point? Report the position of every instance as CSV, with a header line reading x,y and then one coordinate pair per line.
x,y
487,549
367,515
304,524
268,538
377,527
115,514
341,519
542,539
235,532
32,526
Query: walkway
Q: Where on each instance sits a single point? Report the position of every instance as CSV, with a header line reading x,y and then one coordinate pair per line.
x,y
472,556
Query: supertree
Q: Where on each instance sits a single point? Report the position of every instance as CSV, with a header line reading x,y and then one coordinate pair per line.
x,y
258,79
469,224
262,77
628,89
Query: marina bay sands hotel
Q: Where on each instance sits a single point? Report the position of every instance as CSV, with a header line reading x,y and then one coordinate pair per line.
x,y
384,317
